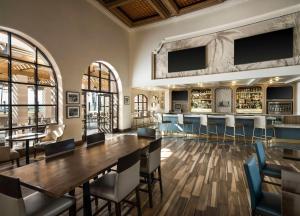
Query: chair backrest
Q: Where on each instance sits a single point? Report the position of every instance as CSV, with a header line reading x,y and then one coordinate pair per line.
x,y
260,122
154,155
146,132
180,118
11,201
2,138
254,181
229,120
203,119
260,152
95,139
128,169
4,153
59,148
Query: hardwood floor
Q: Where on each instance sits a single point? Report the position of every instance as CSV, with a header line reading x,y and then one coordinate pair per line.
x,y
201,178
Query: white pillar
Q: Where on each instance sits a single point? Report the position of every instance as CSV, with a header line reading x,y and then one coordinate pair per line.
x,y
297,97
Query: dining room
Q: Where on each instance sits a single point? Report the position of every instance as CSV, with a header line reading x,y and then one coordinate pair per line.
x,y
149,107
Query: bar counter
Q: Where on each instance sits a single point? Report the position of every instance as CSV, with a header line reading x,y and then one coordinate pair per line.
x,y
282,130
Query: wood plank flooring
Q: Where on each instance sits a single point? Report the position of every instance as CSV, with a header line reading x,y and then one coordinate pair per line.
x,y
201,178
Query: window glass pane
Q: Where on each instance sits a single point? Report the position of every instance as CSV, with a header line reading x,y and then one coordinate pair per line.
x,y
113,86
94,83
3,69
22,50
47,95
22,94
104,72
46,76
22,72
23,116
136,98
144,106
4,94
4,47
4,116
84,82
46,115
104,85
42,60
94,69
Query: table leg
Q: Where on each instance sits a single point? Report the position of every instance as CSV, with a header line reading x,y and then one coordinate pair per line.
x,y
87,199
27,151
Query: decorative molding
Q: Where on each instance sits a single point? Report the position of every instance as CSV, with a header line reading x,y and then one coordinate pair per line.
x,y
220,48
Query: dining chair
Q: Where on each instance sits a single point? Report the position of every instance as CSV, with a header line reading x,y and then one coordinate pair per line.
x,y
116,186
59,148
146,132
8,154
230,122
94,139
266,169
150,163
262,203
12,203
54,134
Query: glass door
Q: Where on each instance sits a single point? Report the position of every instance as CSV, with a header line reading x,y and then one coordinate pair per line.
x,y
105,113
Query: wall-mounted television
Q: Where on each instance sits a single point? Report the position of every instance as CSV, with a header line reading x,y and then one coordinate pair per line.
x,y
264,47
187,59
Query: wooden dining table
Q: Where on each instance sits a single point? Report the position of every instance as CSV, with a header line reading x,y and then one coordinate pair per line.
x,y
290,193
64,173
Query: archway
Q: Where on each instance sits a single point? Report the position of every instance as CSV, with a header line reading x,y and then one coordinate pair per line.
x,y
101,87
30,84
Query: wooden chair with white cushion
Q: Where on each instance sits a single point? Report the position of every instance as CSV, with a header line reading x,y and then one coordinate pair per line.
x,y
8,154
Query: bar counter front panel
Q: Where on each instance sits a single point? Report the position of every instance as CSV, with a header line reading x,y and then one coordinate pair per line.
x,y
283,131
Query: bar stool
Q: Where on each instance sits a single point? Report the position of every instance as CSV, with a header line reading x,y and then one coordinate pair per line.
x,y
260,122
230,122
181,122
204,123
161,121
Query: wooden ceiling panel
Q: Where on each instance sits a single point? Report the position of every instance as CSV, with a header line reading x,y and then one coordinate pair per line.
x,y
140,12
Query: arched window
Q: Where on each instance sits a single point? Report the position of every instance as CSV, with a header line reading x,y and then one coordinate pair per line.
x,y
141,104
100,90
28,86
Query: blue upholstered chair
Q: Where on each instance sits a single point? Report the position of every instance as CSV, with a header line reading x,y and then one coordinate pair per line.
x,y
271,170
262,203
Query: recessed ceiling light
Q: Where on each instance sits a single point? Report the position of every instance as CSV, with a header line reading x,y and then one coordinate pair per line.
x,y
233,82
276,79
271,81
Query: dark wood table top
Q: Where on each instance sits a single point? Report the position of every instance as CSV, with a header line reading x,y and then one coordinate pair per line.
x,y
26,136
60,175
290,181
290,185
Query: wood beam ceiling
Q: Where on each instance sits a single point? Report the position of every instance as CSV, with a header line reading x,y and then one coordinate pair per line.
x,y
163,8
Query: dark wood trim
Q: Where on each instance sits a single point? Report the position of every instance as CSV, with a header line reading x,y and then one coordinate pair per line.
x,y
199,6
118,3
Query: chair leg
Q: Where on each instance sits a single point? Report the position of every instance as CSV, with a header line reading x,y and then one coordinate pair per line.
x,y
253,135
244,134
34,153
96,201
109,206
18,162
73,210
224,134
138,201
118,209
160,180
149,182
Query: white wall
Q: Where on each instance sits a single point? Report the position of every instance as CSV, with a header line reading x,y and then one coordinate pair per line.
x,y
75,33
230,14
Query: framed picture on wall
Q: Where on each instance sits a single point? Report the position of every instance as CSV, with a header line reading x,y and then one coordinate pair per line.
x,y
73,112
73,97
126,100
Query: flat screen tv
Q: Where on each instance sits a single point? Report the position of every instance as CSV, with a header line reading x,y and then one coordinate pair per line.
x,y
264,47
187,59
